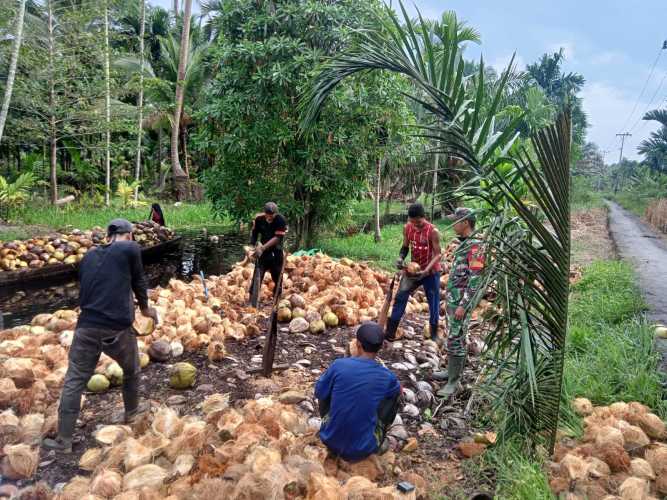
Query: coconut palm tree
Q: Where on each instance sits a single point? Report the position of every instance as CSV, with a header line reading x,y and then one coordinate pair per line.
x,y
527,237
655,147
18,36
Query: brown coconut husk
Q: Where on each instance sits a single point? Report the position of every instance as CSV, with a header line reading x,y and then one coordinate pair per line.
x,y
20,461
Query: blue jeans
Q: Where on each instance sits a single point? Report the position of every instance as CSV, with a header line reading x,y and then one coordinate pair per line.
x,y
431,284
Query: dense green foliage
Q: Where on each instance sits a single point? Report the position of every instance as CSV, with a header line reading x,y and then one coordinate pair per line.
x,y
266,54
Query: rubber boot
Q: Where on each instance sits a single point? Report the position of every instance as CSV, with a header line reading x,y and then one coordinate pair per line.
x,y
433,328
390,332
454,370
63,442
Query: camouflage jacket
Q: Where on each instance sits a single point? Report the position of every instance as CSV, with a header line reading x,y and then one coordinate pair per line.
x,y
466,272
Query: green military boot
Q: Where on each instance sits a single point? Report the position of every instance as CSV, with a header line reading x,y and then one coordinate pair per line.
x,y
454,370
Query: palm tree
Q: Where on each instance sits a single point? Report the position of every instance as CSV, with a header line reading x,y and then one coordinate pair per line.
x,y
180,176
655,147
12,66
528,245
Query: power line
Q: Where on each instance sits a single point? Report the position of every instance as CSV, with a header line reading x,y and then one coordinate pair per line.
x,y
641,94
622,136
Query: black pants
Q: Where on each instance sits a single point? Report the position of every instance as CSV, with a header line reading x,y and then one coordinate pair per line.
x,y
87,346
273,263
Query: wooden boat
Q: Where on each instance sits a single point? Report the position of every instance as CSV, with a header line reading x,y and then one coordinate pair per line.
x,y
59,271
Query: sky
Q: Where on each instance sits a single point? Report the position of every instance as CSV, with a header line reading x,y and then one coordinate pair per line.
x,y
614,44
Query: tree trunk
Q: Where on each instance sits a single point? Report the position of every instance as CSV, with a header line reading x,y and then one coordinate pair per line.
x,y
180,177
12,66
376,205
175,8
434,188
142,32
107,78
52,113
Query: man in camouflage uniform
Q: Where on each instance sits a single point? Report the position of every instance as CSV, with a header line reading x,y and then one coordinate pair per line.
x,y
464,279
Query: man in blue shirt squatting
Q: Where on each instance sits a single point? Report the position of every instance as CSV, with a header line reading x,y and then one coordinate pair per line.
x,y
358,399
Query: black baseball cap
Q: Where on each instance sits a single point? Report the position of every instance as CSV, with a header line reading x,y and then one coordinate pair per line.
x,y
461,214
119,226
270,208
371,336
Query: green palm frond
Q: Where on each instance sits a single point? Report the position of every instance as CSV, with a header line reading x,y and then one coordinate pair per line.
x,y
658,115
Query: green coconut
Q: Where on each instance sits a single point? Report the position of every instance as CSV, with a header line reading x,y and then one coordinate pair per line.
x,y
330,319
317,327
182,376
144,359
98,383
284,314
114,373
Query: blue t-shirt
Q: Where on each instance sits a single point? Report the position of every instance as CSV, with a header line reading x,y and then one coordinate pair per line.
x,y
356,387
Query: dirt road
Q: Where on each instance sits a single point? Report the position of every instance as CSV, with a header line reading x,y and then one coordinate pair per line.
x,y
638,243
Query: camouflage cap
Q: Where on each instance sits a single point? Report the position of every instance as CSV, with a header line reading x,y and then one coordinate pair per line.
x,y
461,214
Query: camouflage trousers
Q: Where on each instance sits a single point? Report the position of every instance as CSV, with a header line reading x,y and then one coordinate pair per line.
x,y
457,330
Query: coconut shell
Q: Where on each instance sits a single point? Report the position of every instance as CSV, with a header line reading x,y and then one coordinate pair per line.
x,y
159,351
90,459
634,488
20,461
150,475
642,469
652,425
75,489
582,406
613,455
216,351
106,484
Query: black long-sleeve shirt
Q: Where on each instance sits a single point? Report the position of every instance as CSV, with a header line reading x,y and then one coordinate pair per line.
x,y
109,274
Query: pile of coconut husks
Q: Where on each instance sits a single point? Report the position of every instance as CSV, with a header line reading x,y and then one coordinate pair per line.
x,y
622,454
263,446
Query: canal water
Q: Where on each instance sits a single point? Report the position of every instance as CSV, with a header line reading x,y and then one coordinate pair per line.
x,y
213,252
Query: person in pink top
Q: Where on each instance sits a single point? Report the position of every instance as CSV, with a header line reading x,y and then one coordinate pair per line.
x,y
422,240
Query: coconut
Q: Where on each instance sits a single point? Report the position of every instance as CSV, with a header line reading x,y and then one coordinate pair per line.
x,y
312,315
90,459
183,465
31,428
143,325
182,376
652,425
582,406
413,268
634,437
149,475
144,359
297,301
656,455
330,319
609,435
20,461
20,370
10,427
642,469
614,455
317,327
65,338
284,314
98,383
106,483
619,409
112,434
298,325
159,351
215,403
136,454
661,332
634,488
75,489
176,349
216,351
166,423
297,312
8,391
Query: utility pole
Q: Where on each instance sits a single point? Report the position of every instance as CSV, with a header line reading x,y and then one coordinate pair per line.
x,y
622,136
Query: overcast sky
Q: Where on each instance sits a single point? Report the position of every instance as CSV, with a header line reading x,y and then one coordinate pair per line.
x,y
613,43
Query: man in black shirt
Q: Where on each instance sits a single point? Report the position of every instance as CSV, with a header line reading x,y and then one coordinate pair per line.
x,y
270,228
109,275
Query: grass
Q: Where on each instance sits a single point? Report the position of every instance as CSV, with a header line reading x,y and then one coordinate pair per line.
x,y
362,246
610,355
44,218
635,203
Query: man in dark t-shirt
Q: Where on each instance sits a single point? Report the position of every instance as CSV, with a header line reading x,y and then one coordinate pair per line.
x,y
269,228
358,399
109,275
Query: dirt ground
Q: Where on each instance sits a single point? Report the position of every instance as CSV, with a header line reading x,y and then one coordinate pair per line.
x,y
590,237
308,356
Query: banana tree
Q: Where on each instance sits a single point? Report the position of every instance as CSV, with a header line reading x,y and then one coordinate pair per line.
x,y
526,233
